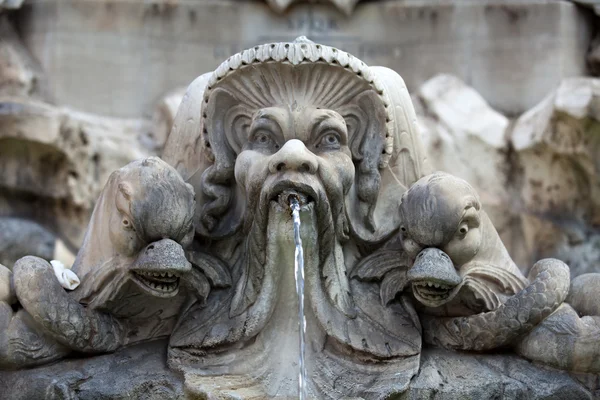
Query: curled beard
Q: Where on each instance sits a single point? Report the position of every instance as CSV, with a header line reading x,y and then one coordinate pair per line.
x,y
332,228
243,311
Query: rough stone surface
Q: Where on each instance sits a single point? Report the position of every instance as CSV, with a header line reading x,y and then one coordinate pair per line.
x,y
558,143
512,52
140,372
20,74
303,120
133,273
20,238
163,118
450,375
349,185
54,162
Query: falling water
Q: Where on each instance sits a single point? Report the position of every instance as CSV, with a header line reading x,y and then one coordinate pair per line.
x,y
299,272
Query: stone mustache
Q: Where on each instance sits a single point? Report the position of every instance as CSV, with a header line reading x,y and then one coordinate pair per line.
x,y
200,249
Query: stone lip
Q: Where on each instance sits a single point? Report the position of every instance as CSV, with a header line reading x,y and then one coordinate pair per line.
x,y
140,372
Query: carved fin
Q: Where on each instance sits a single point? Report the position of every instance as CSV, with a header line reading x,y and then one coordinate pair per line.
x,y
376,265
393,283
484,293
336,283
506,279
197,321
246,291
198,283
383,331
215,270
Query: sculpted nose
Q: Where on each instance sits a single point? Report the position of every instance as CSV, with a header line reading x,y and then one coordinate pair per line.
x,y
294,156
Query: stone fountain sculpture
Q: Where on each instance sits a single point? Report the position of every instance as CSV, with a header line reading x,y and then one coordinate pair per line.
x,y
313,121
200,248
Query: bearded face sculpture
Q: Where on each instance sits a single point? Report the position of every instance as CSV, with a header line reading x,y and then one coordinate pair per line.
x,y
304,120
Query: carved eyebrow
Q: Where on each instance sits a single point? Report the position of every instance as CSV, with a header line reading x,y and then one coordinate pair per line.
x,y
265,115
328,121
320,118
267,118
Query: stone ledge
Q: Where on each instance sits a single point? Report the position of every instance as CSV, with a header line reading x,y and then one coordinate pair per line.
x,y
140,372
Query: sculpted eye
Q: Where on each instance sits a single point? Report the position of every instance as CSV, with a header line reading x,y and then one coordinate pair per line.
x,y
263,139
330,140
127,225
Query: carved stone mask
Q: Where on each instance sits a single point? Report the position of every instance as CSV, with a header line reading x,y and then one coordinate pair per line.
x,y
314,122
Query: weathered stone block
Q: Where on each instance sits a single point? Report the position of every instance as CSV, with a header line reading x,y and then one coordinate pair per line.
x,y
118,58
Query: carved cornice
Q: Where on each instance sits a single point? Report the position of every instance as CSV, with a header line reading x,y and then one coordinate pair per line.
x,y
346,6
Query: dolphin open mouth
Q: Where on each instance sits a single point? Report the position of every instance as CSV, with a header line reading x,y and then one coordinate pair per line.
x,y
159,283
429,291
433,278
159,266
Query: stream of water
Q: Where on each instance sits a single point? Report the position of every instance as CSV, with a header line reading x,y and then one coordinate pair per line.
x,y
299,273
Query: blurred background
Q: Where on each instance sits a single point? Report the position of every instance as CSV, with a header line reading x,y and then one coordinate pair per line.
x,y
504,90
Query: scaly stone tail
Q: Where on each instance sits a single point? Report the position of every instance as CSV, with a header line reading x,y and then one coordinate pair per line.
x,y
516,317
67,321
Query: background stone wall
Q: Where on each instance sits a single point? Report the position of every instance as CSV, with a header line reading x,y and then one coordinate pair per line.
x,y
504,90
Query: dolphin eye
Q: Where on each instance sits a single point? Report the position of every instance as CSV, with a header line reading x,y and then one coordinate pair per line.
x,y
127,225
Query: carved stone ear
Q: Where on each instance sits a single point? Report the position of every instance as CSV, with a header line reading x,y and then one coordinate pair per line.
x,y
389,134
365,119
229,123
227,134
